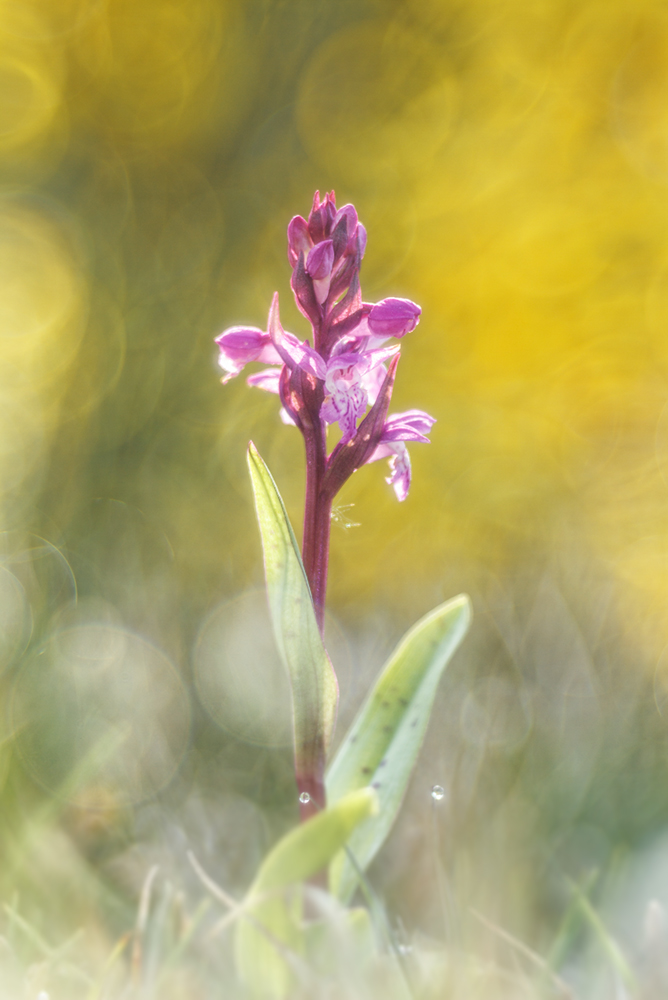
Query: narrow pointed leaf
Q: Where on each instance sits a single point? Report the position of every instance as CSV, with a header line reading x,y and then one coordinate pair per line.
x,y
384,740
269,939
312,678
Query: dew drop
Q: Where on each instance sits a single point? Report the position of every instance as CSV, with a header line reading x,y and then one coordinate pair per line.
x,y
304,798
438,793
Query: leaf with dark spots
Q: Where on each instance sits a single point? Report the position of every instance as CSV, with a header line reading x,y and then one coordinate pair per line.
x,y
389,731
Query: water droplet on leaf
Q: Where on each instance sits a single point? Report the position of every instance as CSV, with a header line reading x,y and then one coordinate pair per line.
x,y
438,793
304,798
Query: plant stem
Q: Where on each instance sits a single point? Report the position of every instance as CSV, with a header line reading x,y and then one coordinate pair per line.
x,y
314,785
317,522
315,556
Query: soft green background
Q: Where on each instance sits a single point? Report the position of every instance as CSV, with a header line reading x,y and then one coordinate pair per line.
x,y
510,163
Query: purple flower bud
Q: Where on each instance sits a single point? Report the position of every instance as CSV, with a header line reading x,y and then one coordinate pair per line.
x,y
299,240
394,317
302,286
322,216
344,229
319,265
349,214
320,260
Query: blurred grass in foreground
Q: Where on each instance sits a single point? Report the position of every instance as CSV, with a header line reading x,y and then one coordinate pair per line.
x,y
510,163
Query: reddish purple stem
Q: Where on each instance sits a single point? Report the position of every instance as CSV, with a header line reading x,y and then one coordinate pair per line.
x,y
317,521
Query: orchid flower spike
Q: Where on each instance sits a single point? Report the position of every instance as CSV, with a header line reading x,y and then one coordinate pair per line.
x,y
345,373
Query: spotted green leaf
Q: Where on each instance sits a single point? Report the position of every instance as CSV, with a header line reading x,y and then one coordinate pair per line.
x,y
384,740
300,647
270,943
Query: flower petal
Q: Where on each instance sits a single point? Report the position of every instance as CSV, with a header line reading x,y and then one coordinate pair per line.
x,y
291,351
299,240
400,466
373,382
400,471
412,425
267,379
361,240
348,457
347,397
241,344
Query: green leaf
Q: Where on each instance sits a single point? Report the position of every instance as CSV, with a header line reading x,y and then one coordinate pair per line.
x,y
312,678
270,941
384,740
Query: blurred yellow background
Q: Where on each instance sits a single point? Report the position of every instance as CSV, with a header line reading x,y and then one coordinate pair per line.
x,y
510,163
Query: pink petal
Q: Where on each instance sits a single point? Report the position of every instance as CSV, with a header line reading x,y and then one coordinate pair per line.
x,y
238,345
289,349
413,425
267,379
400,473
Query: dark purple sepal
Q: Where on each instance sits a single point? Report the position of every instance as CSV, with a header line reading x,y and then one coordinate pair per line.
x,y
322,216
347,458
342,275
345,227
351,301
340,237
290,404
346,325
302,395
302,286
